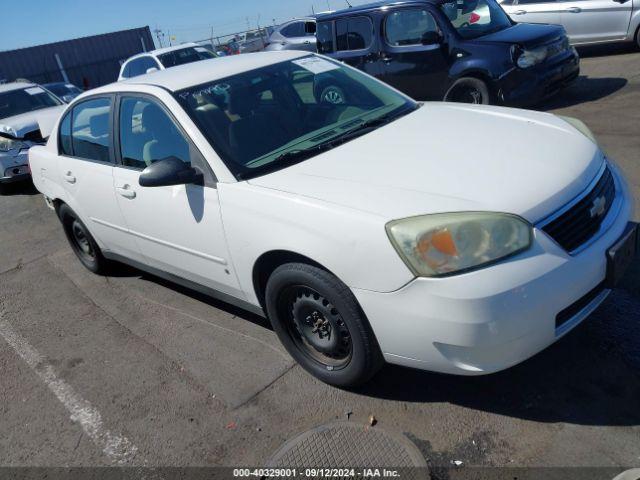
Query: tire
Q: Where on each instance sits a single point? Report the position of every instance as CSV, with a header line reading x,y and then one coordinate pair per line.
x,y
81,241
638,38
469,90
320,323
333,95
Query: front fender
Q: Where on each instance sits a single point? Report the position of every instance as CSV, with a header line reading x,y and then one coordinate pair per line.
x,y
350,243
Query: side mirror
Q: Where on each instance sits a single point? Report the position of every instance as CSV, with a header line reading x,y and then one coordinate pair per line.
x,y
431,38
151,70
170,171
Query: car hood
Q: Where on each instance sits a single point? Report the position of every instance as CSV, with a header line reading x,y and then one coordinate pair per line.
x,y
451,157
43,120
526,34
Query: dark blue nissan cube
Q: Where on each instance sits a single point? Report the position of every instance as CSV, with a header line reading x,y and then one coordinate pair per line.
x,y
455,50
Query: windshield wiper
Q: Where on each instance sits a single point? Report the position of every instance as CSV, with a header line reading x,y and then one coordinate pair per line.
x,y
292,157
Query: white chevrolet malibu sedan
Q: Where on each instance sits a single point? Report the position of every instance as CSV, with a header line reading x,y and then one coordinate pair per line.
x,y
446,237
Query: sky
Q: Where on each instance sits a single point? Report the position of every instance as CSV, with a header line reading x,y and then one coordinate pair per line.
x,y
187,20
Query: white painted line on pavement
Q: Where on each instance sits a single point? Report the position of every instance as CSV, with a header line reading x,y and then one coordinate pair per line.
x,y
117,447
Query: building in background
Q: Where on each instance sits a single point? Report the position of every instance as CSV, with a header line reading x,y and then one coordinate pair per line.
x,y
87,62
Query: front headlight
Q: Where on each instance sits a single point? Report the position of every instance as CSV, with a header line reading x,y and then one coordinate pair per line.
x,y
529,58
447,243
581,127
6,144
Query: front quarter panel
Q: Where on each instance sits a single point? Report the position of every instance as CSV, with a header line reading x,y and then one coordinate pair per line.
x,y
351,244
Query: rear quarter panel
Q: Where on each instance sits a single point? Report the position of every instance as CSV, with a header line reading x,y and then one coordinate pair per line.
x,y
44,171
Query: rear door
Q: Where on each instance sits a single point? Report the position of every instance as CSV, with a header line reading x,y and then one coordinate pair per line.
x,y
418,69
356,44
85,165
589,21
178,229
533,11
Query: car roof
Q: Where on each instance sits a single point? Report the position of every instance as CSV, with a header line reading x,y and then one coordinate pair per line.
x,y
205,71
8,87
371,6
160,51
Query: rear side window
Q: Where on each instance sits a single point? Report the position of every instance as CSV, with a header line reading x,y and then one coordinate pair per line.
x,y
90,132
64,137
324,36
354,33
408,27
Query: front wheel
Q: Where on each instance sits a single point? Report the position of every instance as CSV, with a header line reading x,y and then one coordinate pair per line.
x,y
320,323
469,90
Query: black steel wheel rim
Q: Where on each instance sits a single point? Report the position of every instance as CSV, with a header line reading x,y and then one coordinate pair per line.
x,y
80,240
316,327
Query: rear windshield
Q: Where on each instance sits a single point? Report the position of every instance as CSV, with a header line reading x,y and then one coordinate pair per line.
x,y
17,102
185,55
476,18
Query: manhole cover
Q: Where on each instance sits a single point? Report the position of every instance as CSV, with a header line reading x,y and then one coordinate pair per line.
x,y
347,444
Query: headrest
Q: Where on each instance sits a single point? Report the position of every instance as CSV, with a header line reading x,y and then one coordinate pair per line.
x,y
99,125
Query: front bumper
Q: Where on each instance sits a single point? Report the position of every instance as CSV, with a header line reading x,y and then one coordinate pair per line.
x,y
492,319
526,87
14,168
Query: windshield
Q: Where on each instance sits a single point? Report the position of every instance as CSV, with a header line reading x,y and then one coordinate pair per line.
x,y
261,120
185,55
62,89
475,18
17,102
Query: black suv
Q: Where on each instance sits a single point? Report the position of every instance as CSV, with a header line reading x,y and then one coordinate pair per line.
x,y
455,50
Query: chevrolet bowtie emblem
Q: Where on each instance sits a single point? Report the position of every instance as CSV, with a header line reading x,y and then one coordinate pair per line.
x,y
599,207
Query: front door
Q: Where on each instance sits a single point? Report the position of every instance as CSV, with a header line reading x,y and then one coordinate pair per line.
x,y
86,164
588,21
413,62
178,229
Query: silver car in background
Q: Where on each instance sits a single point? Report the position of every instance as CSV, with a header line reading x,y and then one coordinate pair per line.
x,y
298,34
27,113
586,21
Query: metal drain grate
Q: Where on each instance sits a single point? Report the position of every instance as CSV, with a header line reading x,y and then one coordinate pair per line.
x,y
347,444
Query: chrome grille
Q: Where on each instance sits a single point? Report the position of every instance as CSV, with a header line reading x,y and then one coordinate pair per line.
x,y
582,221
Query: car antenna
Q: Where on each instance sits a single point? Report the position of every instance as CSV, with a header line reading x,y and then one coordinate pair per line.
x,y
349,3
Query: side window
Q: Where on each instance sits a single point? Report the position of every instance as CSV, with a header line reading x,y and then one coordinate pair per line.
x,y
148,134
90,130
126,73
309,29
324,35
294,30
354,33
64,136
408,27
147,63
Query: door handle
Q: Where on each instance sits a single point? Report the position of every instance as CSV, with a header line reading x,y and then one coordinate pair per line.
x,y
520,12
573,10
126,191
69,177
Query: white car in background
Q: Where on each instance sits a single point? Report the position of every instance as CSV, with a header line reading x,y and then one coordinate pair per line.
x,y
164,58
586,21
26,110
365,231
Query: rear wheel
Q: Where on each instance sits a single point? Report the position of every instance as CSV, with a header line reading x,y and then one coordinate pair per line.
x,y
321,325
469,90
638,38
81,241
